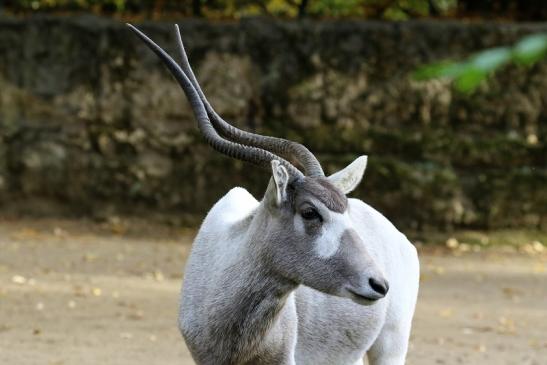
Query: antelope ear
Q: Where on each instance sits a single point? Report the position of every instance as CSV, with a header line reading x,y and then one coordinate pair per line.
x,y
277,189
348,178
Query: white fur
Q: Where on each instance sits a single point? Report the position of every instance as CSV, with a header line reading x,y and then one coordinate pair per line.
x,y
348,178
281,179
317,324
329,241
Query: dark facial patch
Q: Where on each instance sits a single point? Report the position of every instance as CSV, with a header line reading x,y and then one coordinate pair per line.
x,y
324,191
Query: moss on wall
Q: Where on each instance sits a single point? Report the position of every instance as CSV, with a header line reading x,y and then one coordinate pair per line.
x,y
91,120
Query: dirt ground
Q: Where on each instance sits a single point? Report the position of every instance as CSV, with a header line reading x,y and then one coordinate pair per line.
x,y
75,292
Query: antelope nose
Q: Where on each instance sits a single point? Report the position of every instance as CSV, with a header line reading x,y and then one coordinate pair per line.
x,y
380,286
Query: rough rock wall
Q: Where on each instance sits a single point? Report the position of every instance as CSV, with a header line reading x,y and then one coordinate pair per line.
x,y
91,122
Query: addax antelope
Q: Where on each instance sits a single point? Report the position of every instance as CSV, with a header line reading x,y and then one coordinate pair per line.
x,y
303,276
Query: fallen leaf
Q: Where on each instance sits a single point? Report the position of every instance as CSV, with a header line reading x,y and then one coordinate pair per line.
x,y
18,279
480,348
467,331
452,243
446,312
158,275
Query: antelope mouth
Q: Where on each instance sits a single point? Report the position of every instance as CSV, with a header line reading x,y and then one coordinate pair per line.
x,y
365,299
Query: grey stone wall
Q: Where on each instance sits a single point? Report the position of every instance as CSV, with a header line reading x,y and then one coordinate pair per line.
x,y
92,123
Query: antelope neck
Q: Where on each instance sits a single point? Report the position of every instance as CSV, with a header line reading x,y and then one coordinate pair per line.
x,y
252,302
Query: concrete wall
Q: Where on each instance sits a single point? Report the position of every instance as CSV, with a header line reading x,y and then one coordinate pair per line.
x,y
92,123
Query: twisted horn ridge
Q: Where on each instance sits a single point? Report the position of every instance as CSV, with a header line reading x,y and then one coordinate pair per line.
x,y
279,146
250,154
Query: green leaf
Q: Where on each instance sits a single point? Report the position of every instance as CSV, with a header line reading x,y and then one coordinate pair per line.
x,y
530,49
470,79
491,59
446,69
469,74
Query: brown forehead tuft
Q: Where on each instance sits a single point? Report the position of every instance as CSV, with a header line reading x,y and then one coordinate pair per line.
x,y
324,191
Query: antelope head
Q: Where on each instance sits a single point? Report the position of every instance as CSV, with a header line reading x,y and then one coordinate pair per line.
x,y
309,236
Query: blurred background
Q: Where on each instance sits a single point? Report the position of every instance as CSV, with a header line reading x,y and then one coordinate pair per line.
x,y
104,177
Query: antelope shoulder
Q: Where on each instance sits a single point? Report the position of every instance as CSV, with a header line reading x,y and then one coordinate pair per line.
x,y
234,207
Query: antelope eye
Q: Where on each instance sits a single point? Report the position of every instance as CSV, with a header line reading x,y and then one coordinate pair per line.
x,y
310,214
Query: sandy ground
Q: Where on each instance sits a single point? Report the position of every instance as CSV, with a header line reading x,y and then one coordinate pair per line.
x,y
74,292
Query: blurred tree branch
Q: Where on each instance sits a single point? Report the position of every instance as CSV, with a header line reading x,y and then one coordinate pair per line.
x,y
468,74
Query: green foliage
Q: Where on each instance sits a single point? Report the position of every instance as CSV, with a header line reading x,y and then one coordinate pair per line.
x,y
336,8
531,49
377,9
468,74
369,9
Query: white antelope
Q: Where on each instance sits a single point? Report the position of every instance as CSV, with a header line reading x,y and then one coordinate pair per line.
x,y
299,277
